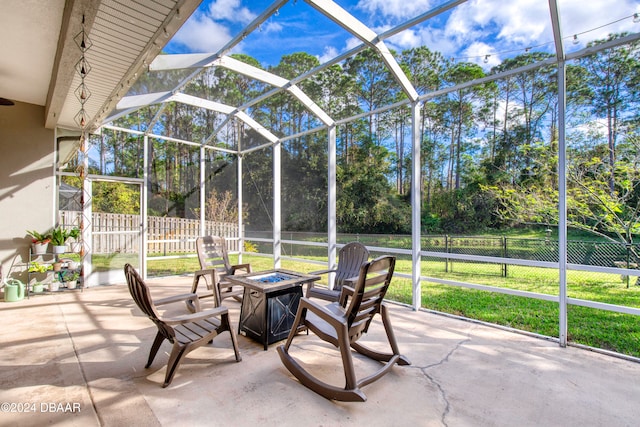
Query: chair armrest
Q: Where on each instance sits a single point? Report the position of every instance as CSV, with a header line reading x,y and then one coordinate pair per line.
x,y
192,317
351,281
321,311
322,292
322,272
245,267
204,272
345,293
175,298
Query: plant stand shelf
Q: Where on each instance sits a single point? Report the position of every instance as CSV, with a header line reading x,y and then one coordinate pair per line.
x,y
62,276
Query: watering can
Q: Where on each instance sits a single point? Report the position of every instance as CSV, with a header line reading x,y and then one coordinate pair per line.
x,y
13,290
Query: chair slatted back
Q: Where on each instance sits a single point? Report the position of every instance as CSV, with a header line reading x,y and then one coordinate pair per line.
x,y
370,290
140,293
350,257
212,253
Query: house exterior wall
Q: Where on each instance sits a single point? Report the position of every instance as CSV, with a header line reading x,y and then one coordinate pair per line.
x,y
27,183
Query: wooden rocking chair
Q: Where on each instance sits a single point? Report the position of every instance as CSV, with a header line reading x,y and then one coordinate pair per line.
x,y
214,267
187,332
350,258
342,323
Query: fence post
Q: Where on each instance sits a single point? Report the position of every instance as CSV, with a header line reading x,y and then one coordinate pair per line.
x,y
504,255
446,250
164,244
628,245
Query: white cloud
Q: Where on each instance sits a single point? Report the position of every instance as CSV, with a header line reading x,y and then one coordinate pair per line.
x,y
272,27
202,34
406,40
522,23
205,32
328,53
230,10
515,21
394,8
481,54
352,42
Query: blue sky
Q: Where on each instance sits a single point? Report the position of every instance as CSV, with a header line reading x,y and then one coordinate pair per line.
x,y
482,31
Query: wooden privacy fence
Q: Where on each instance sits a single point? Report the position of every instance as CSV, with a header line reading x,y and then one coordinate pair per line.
x,y
166,236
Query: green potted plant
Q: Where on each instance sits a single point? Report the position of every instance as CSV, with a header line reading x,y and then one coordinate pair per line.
x,y
39,271
74,236
38,276
36,267
59,236
71,279
39,242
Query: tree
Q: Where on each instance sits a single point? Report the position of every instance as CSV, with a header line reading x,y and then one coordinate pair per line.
x,y
529,102
221,207
374,85
612,76
366,202
115,197
461,114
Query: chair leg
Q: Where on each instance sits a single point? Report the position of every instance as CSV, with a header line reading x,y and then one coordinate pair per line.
x,y
350,393
380,356
157,342
234,340
194,287
351,382
325,390
177,353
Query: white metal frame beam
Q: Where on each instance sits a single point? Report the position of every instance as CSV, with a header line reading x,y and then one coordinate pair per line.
x,y
562,175
347,21
173,62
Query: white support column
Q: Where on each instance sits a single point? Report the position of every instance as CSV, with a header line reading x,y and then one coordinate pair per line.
x,y
203,192
87,211
331,202
562,204
240,213
416,206
562,174
277,191
144,197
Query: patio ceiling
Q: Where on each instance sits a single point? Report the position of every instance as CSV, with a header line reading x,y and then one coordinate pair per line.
x,y
125,36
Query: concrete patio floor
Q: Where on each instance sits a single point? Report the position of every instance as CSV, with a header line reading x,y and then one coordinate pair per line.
x,y
77,358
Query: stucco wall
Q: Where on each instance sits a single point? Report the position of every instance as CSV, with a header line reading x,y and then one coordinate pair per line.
x,y
26,178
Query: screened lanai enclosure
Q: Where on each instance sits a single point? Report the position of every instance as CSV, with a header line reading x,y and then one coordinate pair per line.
x,y
502,174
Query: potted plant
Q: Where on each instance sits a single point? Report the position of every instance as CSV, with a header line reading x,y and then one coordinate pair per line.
x,y
54,285
39,242
36,267
38,276
74,245
72,279
59,236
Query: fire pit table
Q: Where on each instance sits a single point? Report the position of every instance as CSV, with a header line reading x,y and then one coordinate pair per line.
x,y
269,303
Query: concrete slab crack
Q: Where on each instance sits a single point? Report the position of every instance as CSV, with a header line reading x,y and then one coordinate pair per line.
x,y
441,389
